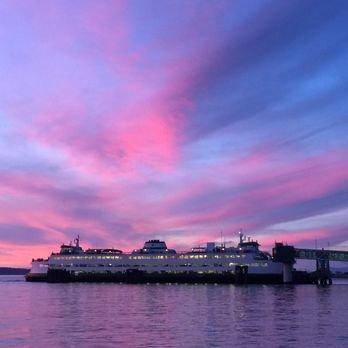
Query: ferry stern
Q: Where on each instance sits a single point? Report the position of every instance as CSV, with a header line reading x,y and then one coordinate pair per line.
x,y
38,271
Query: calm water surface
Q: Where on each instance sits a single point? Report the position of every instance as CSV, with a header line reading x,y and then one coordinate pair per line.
x,y
118,315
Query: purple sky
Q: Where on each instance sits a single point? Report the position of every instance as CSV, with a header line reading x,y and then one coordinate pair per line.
x,y
123,121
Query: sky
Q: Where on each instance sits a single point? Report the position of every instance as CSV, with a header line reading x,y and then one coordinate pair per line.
x,y
123,121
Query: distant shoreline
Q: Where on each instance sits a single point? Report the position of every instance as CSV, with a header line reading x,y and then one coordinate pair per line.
x,y
13,271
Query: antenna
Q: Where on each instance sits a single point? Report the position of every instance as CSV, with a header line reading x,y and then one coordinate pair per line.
x,y
241,236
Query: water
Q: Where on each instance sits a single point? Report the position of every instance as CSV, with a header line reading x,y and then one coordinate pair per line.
x,y
119,315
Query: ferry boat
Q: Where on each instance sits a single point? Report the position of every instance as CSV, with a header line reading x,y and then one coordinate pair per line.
x,y
155,262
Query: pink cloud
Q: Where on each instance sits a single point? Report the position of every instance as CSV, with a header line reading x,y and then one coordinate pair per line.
x,y
142,136
117,109
253,187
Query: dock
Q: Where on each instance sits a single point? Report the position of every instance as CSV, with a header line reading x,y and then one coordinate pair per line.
x,y
288,255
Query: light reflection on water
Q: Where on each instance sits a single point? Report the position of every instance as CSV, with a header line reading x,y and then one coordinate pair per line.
x,y
110,315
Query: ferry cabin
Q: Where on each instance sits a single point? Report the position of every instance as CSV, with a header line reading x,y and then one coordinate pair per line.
x,y
156,257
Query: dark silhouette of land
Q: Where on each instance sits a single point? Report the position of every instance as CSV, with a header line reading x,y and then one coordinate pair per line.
x,y
13,271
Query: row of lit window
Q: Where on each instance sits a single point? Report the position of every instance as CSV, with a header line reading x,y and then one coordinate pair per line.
x,y
152,257
94,257
144,257
231,264
204,256
128,266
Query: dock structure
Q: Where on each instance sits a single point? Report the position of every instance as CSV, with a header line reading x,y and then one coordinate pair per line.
x,y
322,275
314,254
285,254
288,255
